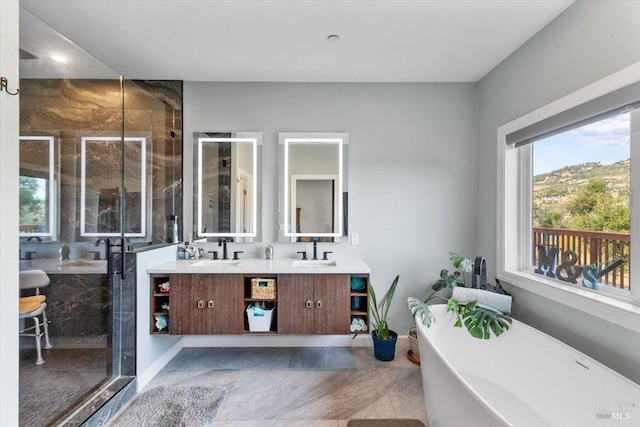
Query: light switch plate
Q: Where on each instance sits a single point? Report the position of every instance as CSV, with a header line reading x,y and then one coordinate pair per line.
x,y
355,239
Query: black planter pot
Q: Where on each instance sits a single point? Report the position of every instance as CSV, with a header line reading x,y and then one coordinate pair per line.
x,y
384,350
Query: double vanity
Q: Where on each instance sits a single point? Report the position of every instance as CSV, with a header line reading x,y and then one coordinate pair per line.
x,y
211,297
303,297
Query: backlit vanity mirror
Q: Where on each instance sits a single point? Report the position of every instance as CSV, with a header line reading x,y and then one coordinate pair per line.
x,y
101,183
313,188
38,188
226,183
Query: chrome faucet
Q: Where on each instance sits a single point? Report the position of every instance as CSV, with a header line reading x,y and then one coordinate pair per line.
x,y
223,243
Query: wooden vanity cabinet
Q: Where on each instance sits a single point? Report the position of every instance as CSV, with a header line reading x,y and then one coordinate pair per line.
x,y
314,304
207,304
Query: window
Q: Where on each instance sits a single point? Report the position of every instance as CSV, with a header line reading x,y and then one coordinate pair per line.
x,y
565,218
581,215
37,187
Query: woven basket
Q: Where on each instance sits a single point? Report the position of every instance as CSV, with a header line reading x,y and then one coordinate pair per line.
x,y
263,289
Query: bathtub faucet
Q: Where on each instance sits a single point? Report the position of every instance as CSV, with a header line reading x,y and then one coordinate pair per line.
x,y
479,270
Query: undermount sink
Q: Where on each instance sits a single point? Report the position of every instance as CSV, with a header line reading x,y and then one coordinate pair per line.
x,y
313,263
220,263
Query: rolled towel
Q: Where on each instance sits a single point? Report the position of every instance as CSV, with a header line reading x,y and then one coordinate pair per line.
x,y
499,302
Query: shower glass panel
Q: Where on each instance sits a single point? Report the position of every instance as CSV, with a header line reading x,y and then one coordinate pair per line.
x,y
64,107
153,119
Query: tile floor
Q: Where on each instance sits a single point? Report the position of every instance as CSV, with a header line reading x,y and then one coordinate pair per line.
x,y
300,387
47,391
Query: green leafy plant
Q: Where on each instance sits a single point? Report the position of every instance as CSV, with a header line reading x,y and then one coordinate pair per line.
x,y
447,280
479,321
380,312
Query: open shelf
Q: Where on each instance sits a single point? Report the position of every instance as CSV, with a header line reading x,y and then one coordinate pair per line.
x,y
158,299
269,304
359,300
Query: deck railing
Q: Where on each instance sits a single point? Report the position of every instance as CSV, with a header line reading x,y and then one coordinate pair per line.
x,y
592,247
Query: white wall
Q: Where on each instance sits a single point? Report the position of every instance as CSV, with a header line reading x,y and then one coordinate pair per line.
x,y
9,152
589,41
412,167
152,351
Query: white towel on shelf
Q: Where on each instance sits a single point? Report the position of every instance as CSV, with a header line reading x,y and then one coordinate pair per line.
x,y
499,302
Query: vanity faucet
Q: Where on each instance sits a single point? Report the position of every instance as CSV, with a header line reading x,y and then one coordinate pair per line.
x,y
315,249
223,243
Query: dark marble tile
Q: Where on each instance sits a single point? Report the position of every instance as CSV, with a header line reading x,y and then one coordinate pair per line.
x,y
62,381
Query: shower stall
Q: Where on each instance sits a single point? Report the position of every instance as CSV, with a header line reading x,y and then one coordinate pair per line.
x,y
100,178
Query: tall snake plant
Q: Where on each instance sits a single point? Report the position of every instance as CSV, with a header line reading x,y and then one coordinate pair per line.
x,y
380,313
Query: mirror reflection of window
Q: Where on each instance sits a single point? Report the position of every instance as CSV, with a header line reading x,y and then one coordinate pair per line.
x,y
226,184
37,187
101,186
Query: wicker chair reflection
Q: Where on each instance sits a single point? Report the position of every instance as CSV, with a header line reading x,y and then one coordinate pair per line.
x,y
33,307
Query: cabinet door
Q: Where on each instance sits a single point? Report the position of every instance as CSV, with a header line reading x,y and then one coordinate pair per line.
x,y
332,304
188,313
224,304
295,304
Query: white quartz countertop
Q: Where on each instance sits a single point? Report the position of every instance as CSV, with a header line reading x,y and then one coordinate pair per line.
x,y
69,266
262,266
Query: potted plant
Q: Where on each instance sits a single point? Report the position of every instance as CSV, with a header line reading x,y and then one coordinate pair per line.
x,y
479,321
384,339
447,280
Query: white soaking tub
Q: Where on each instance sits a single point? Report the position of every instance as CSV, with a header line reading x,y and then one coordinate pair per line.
x,y
521,378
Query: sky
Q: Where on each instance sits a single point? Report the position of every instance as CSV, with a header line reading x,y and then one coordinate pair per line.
x,y
606,141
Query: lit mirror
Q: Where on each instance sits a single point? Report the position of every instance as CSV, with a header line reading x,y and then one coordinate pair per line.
x,y
38,188
226,182
101,183
313,187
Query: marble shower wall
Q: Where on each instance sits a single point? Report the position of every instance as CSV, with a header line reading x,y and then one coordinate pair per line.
x,y
72,109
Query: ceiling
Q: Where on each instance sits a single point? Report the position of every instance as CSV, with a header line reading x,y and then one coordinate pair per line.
x,y
286,41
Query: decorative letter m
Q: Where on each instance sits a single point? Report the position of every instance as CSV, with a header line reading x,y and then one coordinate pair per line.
x,y
547,261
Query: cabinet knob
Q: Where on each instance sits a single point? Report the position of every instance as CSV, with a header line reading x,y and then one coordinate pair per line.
x,y
210,303
200,304
309,304
319,304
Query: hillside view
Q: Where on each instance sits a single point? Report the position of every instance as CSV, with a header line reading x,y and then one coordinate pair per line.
x,y
590,196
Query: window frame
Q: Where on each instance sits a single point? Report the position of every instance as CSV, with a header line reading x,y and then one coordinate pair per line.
x,y
514,184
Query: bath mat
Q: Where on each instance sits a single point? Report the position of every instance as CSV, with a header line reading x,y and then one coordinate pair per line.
x,y
386,423
174,406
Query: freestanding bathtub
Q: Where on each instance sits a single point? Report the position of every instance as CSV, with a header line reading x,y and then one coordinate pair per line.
x,y
521,378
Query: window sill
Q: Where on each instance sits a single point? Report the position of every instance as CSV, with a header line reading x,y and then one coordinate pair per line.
x,y
617,311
